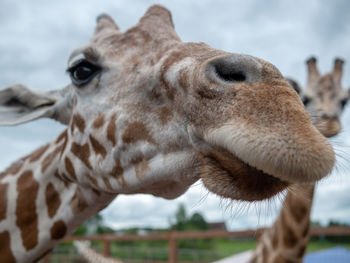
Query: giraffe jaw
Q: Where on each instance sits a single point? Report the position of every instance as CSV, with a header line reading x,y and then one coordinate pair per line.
x,y
230,177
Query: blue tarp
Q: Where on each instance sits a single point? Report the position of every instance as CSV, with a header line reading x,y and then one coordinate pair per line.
x,y
333,255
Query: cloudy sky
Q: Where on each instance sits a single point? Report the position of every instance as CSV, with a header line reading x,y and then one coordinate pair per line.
x,y
37,37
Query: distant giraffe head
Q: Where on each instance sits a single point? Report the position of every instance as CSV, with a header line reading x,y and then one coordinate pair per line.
x,y
148,113
324,96
287,238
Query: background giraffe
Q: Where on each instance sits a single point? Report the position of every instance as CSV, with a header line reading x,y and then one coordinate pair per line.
x,y
325,99
203,109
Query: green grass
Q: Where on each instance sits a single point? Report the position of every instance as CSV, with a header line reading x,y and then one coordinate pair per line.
x,y
227,247
195,251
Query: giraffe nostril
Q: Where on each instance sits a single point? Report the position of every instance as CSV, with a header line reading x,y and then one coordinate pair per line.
x,y
235,68
227,73
326,116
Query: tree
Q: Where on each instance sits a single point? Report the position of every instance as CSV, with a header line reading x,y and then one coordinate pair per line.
x,y
197,221
94,225
180,218
183,222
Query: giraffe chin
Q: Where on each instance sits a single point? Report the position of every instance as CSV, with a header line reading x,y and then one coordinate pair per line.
x,y
230,177
329,128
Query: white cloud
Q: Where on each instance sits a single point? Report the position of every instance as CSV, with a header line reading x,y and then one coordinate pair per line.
x,y
38,36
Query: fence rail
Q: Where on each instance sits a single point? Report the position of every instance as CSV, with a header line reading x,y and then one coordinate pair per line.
x,y
173,236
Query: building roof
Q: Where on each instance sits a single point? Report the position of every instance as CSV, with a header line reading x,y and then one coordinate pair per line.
x,y
217,226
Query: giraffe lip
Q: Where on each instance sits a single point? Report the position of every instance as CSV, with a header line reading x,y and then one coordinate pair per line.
x,y
231,177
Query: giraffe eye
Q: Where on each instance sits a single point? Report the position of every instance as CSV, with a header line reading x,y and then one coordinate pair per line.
x,y
83,72
343,102
306,100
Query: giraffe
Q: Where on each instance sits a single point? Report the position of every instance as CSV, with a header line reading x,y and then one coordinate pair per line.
x,y
147,113
325,99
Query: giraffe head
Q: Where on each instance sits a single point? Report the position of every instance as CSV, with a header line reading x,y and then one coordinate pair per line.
x,y
151,114
324,97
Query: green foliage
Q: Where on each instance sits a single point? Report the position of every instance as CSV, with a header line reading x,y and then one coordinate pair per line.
x,y
198,222
94,225
337,223
315,223
185,223
101,229
81,231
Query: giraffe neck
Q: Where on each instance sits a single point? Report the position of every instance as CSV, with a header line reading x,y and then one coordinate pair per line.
x,y
287,239
38,207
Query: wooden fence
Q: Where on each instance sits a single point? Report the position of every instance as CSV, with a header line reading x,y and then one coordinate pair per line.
x,y
173,236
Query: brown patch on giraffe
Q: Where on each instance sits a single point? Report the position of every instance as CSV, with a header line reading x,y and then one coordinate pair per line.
x,y
141,168
64,143
6,254
70,168
62,136
99,121
53,200
49,158
301,251
306,229
3,201
78,202
111,130
98,147
108,184
58,230
274,239
298,209
62,178
92,179
264,254
38,153
164,115
66,179
136,158
82,152
26,216
117,170
78,122
136,131
289,238
96,192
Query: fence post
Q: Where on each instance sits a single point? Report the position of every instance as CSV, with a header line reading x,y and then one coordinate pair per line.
x,y
172,248
106,248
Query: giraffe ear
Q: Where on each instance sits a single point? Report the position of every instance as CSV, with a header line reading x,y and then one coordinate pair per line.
x,y
312,71
158,22
294,85
338,69
18,105
158,14
105,25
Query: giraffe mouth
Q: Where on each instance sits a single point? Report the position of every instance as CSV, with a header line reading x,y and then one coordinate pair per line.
x,y
231,177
